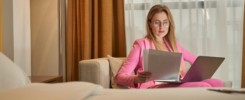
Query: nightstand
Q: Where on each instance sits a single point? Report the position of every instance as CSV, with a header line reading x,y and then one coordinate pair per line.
x,y
46,79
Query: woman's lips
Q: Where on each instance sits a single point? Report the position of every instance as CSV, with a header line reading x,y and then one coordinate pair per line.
x,y
161,31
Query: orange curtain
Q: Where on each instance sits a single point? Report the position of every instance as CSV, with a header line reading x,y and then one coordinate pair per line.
x,y
95,29
243,52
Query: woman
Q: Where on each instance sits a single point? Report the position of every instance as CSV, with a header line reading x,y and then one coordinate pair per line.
x,y
160,36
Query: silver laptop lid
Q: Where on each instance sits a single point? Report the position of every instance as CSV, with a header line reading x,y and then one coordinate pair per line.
x,y
203,68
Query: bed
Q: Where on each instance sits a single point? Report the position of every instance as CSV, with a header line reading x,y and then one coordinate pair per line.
x,y
16,86
89,91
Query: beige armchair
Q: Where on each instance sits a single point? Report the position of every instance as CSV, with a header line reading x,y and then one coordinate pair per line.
x,y
98,71
95,71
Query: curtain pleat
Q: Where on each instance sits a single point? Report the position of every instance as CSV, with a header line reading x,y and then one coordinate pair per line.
x,y
119,38
95,29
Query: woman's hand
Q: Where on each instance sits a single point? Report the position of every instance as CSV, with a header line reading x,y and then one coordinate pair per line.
x,y
142,77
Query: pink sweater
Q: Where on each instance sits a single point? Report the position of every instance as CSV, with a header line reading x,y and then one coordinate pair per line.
x,y
133,63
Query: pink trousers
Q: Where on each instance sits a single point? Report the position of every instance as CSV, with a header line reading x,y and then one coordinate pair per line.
x,y
204,83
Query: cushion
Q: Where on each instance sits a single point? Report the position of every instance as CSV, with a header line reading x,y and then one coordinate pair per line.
x,y
11,75
115,64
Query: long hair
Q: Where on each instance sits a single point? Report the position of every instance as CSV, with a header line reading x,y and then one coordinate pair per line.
x,y
170,36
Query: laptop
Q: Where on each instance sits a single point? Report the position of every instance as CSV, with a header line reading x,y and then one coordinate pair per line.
x,y
203,68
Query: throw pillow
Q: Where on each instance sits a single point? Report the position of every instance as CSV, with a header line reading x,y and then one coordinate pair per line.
x,y
115,64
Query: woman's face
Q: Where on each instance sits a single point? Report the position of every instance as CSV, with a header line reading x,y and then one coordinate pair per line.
x,y
159,25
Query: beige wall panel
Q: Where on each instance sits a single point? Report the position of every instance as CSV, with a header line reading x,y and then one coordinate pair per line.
x,y
44,37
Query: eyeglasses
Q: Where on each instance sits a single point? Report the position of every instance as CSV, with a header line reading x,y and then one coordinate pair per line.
x,y
159,23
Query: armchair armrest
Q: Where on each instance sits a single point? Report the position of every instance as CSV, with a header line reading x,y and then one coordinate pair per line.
x,y
95,71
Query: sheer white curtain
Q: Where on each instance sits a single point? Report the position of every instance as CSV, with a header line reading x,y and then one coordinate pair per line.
x,y
204,27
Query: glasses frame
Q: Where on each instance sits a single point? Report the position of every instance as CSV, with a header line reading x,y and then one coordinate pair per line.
x,y
159,23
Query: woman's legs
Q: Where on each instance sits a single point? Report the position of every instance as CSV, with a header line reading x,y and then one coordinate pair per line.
x,y
204,83
214,82
187,84
195,84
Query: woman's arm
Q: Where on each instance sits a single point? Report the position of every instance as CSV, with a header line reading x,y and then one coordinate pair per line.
x,y
124,76
186,54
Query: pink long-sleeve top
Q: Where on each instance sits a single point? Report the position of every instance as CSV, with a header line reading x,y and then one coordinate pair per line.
x,y
133,63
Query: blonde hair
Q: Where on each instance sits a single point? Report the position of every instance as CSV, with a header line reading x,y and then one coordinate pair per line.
x,y
170,37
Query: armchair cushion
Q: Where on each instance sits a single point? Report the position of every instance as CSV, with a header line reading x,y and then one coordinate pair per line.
x,y
115,64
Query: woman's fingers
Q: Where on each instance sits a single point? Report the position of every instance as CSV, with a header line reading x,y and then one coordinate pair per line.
x,y
145,74
142,77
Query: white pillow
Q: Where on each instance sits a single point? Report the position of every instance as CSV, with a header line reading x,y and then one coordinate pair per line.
x,y
11,75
